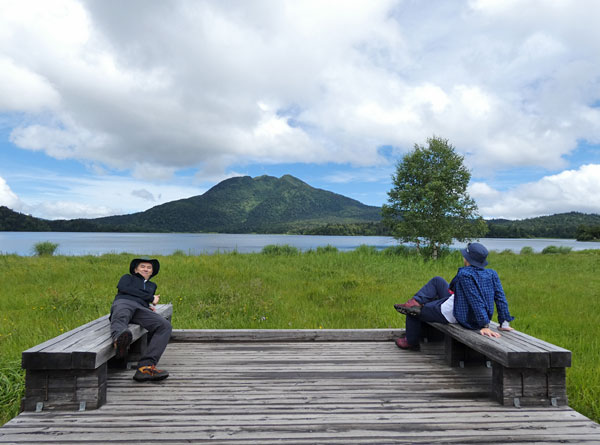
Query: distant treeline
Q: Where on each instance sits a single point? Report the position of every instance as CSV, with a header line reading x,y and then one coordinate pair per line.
x,y
589,233
351,229
573,225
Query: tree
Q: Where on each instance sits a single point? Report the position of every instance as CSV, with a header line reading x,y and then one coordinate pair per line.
x,y
429,202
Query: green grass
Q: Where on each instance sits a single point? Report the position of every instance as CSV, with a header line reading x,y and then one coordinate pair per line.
x,y
553,297
45,248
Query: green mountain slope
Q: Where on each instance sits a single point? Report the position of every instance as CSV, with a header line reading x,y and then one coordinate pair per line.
x,y
11,221
267,204
562,225
245,204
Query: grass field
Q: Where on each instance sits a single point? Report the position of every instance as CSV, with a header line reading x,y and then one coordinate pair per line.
x,y
553,297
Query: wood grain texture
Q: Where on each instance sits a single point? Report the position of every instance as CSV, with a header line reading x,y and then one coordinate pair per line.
x,y
327,392
513,349
86,347
284,335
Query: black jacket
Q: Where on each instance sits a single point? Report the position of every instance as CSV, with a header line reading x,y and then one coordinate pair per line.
x,y
133,287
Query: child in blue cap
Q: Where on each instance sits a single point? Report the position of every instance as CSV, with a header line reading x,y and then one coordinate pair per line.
x,y
469,300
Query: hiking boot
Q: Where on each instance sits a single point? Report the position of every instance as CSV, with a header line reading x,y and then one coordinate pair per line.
x,y
402,343
413,310
149,374
122,344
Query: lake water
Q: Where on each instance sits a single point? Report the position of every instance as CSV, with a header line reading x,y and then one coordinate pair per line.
x,y
21,243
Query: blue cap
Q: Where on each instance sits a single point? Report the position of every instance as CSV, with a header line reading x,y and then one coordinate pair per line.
x,y
475,254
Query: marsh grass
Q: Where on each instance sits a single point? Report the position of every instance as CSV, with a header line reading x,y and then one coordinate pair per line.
x,y
554,297
45,248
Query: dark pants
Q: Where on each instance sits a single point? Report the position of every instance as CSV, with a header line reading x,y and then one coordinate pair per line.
x,y
431,296
159,329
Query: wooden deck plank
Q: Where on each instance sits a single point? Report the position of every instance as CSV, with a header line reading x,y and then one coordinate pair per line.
x,y
326,391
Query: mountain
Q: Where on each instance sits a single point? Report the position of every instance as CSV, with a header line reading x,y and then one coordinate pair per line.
x,y
244,204
266,204
562,225
11,221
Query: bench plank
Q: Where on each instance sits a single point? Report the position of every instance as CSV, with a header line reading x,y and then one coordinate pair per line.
x,y
85,347
502,350
70,371
525,369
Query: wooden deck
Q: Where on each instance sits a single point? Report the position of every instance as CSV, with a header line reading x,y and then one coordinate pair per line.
x,y
278,391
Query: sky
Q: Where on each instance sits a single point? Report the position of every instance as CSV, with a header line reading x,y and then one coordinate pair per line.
x,y
111,107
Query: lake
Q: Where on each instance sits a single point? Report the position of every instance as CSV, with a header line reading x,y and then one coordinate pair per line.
x,y
21,243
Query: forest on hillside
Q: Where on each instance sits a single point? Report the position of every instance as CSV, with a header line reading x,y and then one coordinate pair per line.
x,y
573,225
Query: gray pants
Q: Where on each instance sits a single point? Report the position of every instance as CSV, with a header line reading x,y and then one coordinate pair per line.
x,y
159,329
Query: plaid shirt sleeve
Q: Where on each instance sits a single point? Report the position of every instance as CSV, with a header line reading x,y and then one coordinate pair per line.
x,y
500,299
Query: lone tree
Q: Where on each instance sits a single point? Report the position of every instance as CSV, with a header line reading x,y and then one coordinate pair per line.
x,y
429,202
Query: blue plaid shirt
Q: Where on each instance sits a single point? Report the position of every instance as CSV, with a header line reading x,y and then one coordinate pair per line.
x,y
475,292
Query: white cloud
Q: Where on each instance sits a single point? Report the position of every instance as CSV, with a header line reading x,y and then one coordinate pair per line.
x,y
359,175
571,190
8,198
46,195
127,90
153,87
24,90
67,210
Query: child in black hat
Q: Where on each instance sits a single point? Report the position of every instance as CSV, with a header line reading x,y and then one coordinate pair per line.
x,y
469,300
132,305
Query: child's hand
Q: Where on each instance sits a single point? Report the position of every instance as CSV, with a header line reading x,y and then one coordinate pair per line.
x,y
156,298
487,332
505,327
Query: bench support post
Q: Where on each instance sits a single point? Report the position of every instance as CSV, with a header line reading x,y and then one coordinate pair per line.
x,y
64,389
458,354
530,386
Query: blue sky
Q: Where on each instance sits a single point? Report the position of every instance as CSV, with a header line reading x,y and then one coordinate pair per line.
x,y
110,108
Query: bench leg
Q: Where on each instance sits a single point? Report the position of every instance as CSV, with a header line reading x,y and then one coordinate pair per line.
x,y
68,389
529,386
457,354
430,334
137,349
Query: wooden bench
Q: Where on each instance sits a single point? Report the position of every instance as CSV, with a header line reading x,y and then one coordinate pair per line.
x,y
525,370
70,371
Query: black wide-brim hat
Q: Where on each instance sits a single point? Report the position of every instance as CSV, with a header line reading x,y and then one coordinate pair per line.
x,y
475,254
136,261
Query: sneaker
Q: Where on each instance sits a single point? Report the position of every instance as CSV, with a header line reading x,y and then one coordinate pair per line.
x,y
415,311
150,374
410,303
122,343
402,343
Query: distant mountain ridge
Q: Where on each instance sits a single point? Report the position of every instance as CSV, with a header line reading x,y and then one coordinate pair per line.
x,y
244,204
266,204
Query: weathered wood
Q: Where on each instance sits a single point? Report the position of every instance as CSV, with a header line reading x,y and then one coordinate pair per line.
x,y
231,393
64,389
284,335
505,350
63,372
86,347
529,386
527,371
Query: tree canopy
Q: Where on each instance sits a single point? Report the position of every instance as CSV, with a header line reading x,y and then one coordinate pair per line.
x,y
428,203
